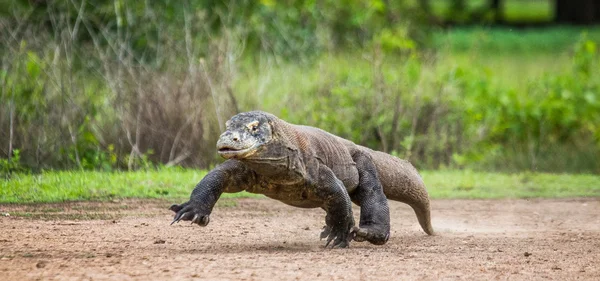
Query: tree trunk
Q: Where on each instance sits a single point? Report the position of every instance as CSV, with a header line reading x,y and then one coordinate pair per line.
x,y
577,11
495,5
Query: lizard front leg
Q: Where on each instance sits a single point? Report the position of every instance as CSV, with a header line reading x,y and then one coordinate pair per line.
x,y
336,202
231,176
374,223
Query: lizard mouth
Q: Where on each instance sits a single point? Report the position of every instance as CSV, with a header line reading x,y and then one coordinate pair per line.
x,y
228,149
234,152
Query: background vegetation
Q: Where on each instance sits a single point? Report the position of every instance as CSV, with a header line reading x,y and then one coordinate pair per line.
x,y
114,84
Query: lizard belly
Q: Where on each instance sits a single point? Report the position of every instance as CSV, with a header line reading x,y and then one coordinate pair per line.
x,y
297,195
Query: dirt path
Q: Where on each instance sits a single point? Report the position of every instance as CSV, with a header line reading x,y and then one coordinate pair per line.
x,y
254,239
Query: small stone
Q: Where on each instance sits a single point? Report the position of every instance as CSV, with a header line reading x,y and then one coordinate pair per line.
x,y
41,264
527,254
160,241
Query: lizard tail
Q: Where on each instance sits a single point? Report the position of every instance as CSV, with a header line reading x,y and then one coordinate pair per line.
x,y
418,199
424,217
401,182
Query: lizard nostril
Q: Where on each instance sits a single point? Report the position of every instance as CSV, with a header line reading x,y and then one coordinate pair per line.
x,y
235,139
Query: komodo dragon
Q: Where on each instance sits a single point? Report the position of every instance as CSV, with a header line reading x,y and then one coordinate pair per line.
x,y
307,167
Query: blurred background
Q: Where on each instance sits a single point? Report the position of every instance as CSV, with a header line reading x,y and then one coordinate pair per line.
x,y
494,85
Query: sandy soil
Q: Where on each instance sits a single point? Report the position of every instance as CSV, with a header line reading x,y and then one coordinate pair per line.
x,y
262,239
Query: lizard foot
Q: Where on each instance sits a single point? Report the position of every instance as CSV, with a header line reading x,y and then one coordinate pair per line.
x,y
341,238
371,234
187,212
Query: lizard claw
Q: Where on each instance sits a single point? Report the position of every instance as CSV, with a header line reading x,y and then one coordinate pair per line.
x,y
337,238
329,239
201,220
326,231
187,212
176,219
181,216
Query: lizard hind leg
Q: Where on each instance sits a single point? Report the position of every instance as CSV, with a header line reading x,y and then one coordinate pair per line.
x,y
374,225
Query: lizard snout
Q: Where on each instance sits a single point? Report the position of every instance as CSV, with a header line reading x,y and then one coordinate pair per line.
x,y
232,144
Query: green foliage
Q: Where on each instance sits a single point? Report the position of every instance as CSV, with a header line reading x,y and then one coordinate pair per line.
x,y
396,40
547,125
286,28
457,115
528,11
513,11
9,167
113,85
51,120
306,28
558,114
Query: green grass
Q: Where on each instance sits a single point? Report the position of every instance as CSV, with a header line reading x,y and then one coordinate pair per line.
x,y
178,183
512,41
89,185
479,185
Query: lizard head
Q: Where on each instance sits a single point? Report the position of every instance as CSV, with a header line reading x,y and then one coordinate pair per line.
x,y
245,134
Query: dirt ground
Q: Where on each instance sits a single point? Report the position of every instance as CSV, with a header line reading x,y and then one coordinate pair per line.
x,y
262,239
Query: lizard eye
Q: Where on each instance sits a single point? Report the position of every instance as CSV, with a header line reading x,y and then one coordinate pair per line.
x,y
253,126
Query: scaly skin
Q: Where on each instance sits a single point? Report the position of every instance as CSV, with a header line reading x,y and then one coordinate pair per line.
x,y
307,167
